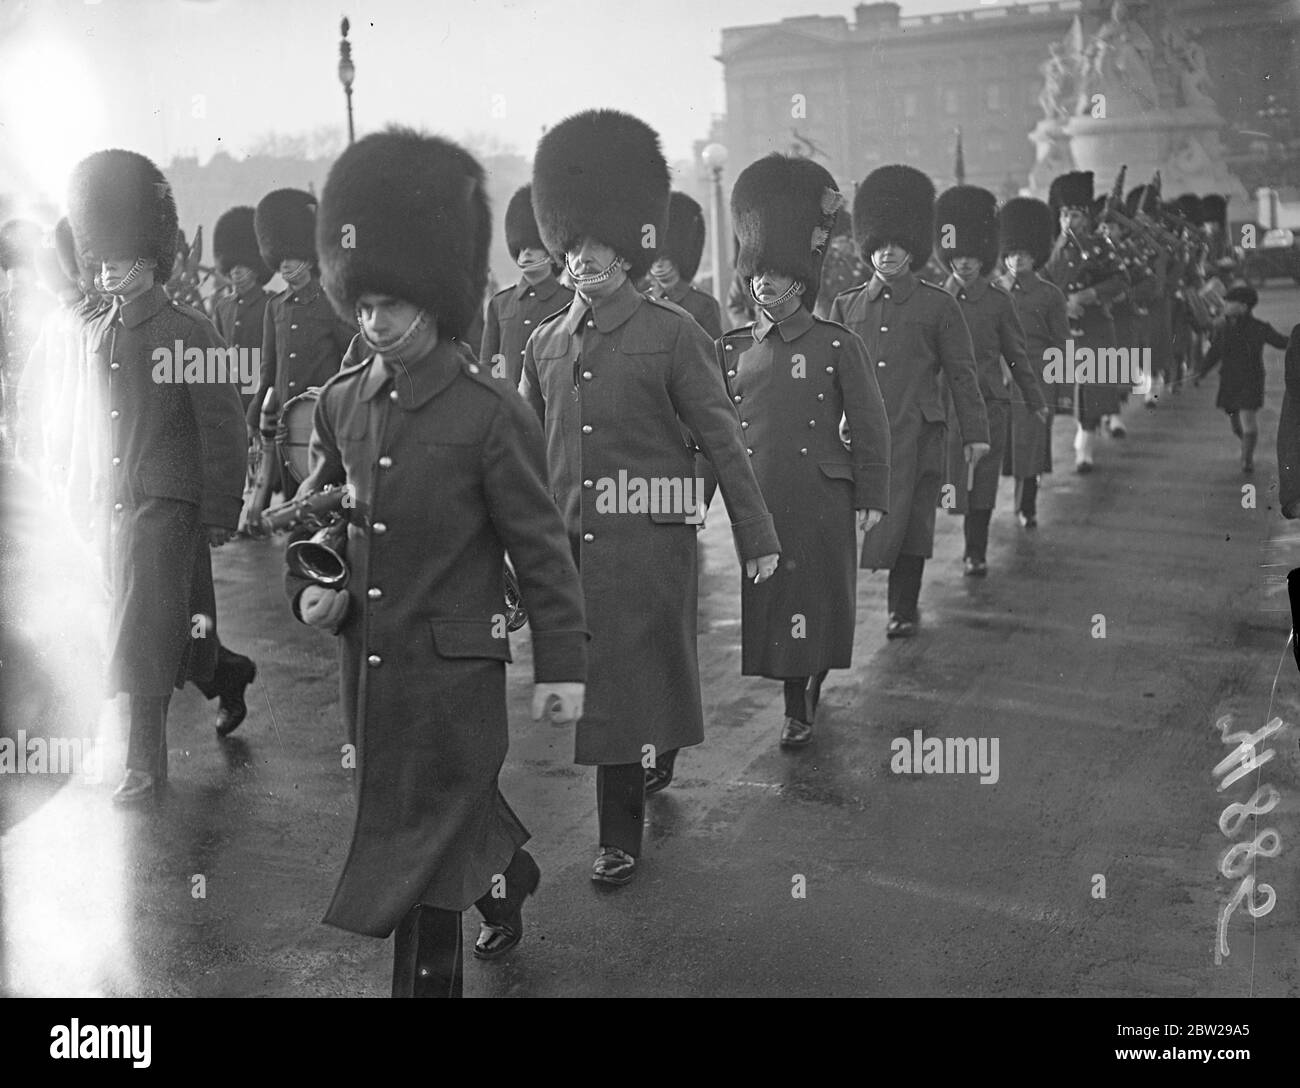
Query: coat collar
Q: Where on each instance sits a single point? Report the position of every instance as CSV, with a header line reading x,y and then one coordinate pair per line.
x,y
677,293
416,383
791,328
608,313
973,291
900,287
141,308
544,290
307,295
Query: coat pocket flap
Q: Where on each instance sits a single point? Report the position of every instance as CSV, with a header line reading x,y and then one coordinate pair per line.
x,y
837,470
670,517
554,345
934,413
643,341
471,638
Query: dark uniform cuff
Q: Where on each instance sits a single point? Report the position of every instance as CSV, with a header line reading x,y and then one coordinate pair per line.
x,y
871,487
560,657
222,512
756,537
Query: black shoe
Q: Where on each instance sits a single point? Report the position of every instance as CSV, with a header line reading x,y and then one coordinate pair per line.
x,y
613,866
1028,521
1083,467
497,938
135,788
233,710
661,774
795,734
899,627
975,568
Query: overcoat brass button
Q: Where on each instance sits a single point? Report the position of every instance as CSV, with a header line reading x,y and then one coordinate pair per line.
x,y
385,462
586,428
374,593
588,537
374,661
380,528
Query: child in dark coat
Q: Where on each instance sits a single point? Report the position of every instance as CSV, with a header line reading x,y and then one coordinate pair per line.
x,y
1239,346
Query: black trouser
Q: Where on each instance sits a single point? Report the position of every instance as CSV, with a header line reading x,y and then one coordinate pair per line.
x,y
1027,495
428,957
620,805
223,677
146,748
800,693
499,911
905,585
976,528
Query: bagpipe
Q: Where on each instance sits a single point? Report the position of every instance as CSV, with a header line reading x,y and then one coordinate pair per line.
x,y
325,512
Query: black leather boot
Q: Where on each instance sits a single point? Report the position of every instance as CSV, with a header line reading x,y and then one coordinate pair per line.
x,y
503,919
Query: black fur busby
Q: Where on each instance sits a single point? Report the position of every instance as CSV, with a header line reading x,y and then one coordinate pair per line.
x,y
120,205
285,224
783,209
1189,207
683,242
234,241
1072,190
19,241
1214,209
600,174
1025,224
1142,199
521,224
972,213
421,227
895,204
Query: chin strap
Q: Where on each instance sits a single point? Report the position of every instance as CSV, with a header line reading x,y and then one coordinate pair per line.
x,y
795,288
121,285
596,278
393,347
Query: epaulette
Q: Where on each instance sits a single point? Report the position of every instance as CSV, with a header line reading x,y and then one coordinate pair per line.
x,y
666,304
551,317
504,291
933,287
746,329
999,288
186,309
852,290
347,373
833,324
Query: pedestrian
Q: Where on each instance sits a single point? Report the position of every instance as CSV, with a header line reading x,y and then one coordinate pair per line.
x,y
514,313
1025,243
793,377
613,379
966,217
1238,345
240,317
171,462
445,469
672,275
303,340
1084,266
918,342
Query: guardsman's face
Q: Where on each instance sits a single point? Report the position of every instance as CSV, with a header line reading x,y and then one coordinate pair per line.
x,y
112,270
532,255
296,272
769,286
1019,262
589,258
890,256
1073,219
966,268
384,318
664,269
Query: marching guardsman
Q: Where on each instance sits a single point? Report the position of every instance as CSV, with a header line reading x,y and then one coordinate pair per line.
x,y
514,313
1165,271
1191,315
446,468
1025,242
1131,311
793,377
23,306
1238,346
613,379
240,316
1084,266
966,217
914,334
303,340
169,458
673,273
1221,255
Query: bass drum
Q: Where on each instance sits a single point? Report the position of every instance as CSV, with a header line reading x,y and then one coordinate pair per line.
x,y
293,438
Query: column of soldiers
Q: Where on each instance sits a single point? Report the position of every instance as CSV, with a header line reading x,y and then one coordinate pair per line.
x,y
462,435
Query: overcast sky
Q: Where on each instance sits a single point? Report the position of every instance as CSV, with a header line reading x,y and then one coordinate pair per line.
x,y
193,76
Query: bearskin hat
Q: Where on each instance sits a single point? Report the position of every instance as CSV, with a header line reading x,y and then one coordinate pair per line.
x,y
1214,209
120,205
1072,190
1189,207
285,224
1025,224
521,224
600,174
683,242
895,204
972,212
19,241
422,227
234,241
783,210
1142,199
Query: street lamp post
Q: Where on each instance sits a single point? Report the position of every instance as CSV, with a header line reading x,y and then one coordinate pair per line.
x,y
347,72
715,158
